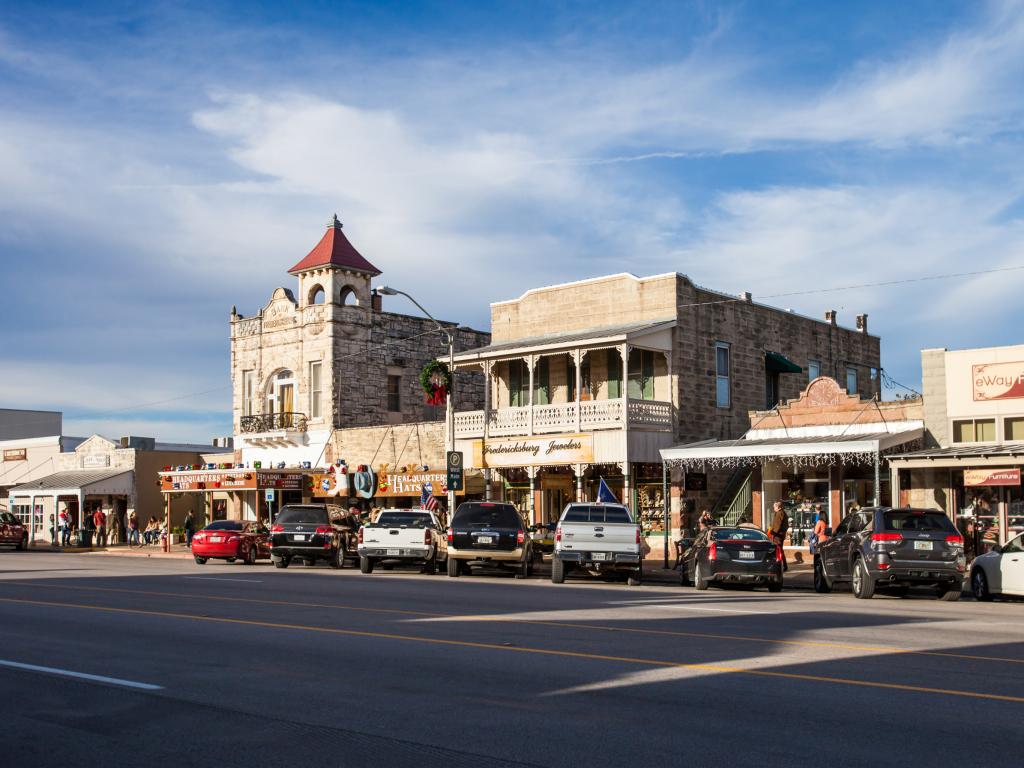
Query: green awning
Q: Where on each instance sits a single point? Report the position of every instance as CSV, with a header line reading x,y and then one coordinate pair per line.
x,y
776,363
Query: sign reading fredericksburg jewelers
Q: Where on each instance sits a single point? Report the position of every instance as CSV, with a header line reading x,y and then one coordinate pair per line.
x,y
534,451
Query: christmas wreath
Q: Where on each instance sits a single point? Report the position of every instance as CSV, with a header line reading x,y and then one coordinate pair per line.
x,y
436,381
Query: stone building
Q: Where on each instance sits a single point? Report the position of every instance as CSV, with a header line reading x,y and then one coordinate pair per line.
x,y
591,379
326,357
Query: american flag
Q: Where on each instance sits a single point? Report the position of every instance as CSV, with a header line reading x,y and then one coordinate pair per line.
x,y
427,500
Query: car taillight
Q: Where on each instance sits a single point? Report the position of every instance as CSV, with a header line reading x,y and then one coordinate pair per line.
x,y
558,534
450,536
277,529
637,535
520,537
324,529
426,537
232,539
360,535
713,551
891,537
778,553
955,538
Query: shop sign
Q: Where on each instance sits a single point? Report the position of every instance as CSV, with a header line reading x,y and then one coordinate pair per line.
x,y
534,451
16,454
93,461
208,481
286,481
998,381
696,481
976,477
411,483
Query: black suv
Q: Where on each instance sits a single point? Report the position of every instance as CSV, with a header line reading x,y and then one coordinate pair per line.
x,y
312,532
483,533
892,549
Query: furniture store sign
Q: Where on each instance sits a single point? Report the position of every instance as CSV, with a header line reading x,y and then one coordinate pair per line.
x,y
534,451
998,381
988,477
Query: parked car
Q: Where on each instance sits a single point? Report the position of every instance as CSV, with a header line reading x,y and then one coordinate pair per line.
x,y
314,532
403,536
489,533
734,555
597,538
231,540
892,549
1000,571
12,531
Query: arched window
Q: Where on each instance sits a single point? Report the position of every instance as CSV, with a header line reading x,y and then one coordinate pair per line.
x,y
348,296
281,393
316,294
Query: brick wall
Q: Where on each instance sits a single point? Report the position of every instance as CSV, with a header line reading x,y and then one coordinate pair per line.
x,y
420,443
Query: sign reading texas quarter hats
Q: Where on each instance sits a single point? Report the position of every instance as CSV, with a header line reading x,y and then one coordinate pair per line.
x,y
534,451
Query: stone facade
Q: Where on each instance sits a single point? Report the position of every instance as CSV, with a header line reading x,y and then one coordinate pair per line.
x,y
395,445
933,379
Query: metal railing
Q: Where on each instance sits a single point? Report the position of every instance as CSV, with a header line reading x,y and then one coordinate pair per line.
x,y
270,422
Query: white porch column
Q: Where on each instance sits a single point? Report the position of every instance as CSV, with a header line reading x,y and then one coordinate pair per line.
x,y
627,487
32,528
894,485
577,358
533,488
578,469
81,511
530,359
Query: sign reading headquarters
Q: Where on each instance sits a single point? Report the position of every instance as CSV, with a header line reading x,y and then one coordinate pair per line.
x,y
534,451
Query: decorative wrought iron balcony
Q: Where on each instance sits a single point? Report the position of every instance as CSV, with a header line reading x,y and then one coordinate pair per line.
x,y
272,422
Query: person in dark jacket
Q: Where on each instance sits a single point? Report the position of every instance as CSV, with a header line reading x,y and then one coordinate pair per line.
x,y
780,526
190,528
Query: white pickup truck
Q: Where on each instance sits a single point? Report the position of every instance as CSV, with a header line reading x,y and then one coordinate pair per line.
x,y
597,538
403,536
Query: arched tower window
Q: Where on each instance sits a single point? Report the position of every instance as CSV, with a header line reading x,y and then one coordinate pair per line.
x,y
316,295
281,394
348,296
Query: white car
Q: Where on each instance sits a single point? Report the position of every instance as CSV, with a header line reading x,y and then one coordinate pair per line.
x,y
403,536
1000,571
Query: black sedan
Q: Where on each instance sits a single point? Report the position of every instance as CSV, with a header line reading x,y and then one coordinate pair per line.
x,y
734,555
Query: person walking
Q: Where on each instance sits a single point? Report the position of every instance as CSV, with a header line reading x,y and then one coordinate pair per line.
x,y
99,521
190,528
777,533
133,530
65,527
818,535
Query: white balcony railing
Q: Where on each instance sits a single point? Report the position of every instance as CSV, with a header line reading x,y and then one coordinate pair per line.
x,y
562,417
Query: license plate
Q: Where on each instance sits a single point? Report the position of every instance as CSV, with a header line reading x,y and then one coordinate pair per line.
x,y
394,552
299,537
484,539
216,539
599,556
922,545
747,555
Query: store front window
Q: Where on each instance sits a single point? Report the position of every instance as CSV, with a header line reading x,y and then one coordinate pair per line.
x,y
799,493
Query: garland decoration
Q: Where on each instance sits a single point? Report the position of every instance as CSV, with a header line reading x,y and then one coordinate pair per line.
x,y
436,381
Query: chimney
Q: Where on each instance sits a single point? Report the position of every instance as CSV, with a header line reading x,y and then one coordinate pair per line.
x,y
862,323
830,317
746,297
376,302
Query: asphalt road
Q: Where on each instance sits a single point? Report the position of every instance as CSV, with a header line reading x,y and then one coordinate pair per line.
x,y
229,665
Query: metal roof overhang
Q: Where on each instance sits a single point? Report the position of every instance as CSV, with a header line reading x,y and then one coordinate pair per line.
x,y
961,456
570,340
782,448
71,483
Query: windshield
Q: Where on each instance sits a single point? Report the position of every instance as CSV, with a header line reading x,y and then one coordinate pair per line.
x,y
912,520
596,513
403,519
224,525
302,515
486,516
738,534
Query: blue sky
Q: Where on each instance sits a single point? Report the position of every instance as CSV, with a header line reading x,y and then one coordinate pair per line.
x,y
165,161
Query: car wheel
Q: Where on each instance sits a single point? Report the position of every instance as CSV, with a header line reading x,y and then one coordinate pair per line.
x,y
699,582
775,585
863,584
951,593
250,556
636,578
557,571
365,564
281,562
453,567
338,558
821,583
523,569
979,586
200,560
430,566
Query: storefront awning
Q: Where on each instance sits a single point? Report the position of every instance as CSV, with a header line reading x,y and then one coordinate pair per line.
x,y
88,482
962,456
801,451
777,363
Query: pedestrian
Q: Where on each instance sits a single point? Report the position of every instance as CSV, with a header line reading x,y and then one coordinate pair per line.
x,y
190,528
53,528
114,534
777,533
818,535
706,520
99,520
65,527
133,530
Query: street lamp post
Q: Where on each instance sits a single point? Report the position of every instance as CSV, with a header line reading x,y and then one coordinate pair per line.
x,y
449,402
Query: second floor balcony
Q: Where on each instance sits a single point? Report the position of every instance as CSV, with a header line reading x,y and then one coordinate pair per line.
x,y
270,429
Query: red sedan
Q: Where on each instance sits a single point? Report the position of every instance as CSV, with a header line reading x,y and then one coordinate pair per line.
x,y
231,540
12,531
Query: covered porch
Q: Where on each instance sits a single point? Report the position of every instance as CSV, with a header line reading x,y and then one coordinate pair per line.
x,y
80,493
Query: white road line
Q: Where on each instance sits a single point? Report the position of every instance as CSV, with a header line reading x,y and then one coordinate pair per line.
x,y
81,675
218,578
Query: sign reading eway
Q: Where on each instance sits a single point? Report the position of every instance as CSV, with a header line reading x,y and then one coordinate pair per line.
x,y
998,381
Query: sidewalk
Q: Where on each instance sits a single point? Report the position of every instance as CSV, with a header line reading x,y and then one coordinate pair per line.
x,y
122,550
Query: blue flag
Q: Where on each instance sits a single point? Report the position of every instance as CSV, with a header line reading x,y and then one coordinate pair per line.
x,y
605,495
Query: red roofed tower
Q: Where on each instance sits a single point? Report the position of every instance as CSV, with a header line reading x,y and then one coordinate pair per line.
x,y
334,272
